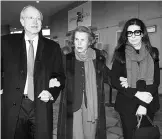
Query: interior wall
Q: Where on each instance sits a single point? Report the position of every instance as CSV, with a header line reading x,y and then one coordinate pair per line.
x,y
59,23
5,29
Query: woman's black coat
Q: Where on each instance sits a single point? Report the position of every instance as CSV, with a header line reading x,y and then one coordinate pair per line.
x,y
64,130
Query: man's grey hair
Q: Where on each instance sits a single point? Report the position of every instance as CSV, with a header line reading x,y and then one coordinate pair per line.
x,y
29,6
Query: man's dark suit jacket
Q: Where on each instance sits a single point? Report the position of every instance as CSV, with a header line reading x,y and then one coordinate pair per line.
x,y
48,64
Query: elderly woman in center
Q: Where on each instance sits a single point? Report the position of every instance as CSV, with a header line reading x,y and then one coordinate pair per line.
x,y
83,96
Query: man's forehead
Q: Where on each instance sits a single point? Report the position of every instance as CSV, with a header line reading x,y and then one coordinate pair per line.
x,y
31,10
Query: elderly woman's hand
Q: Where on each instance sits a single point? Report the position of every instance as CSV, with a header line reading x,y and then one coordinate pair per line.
x,y
54,82
124,82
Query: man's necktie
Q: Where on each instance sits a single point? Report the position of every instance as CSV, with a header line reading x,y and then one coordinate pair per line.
x,y
30,70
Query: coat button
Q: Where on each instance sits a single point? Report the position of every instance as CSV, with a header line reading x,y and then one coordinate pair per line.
x,y
22,72
14,104
17,88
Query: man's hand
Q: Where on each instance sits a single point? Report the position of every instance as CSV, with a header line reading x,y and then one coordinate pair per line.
x,y
124,82
1,92
45,96
141,110
54,82
144,96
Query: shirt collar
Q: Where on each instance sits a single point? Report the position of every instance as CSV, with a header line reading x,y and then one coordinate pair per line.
x,y
34,39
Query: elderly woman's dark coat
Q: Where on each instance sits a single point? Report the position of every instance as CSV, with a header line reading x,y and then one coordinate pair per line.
x,y
65,120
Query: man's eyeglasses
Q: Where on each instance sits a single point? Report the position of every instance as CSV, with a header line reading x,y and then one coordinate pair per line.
x,y
136,33
33,18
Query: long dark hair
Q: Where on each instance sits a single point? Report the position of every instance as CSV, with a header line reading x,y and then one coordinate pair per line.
x,y
119,52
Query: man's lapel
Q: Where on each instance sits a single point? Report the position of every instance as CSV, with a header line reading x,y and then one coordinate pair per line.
x,y
23,58
37,64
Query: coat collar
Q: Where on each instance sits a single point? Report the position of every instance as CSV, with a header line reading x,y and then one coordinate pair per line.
x,y
98,62
99,56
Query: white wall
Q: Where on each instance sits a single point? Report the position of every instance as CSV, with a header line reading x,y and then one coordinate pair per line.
x,y
59,23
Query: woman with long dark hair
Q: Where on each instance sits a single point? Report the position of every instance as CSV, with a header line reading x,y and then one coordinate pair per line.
x,y
136,76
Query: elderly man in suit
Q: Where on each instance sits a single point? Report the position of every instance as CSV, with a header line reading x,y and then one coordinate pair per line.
x,y
32,78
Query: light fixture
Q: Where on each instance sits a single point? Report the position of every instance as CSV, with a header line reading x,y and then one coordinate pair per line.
x,y
37,1
151,29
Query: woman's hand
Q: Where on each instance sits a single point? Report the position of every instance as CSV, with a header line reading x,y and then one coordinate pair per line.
x,y
144,96
141,110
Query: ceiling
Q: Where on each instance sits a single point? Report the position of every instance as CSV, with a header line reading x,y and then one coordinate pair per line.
x,y
10,10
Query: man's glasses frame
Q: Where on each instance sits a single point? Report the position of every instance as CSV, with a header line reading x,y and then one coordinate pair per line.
x,y
136,33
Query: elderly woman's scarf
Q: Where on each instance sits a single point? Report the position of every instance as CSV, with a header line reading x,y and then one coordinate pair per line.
x,y
90,79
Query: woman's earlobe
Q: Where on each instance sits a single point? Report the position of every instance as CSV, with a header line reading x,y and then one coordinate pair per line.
x,y
142,35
